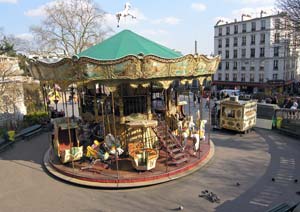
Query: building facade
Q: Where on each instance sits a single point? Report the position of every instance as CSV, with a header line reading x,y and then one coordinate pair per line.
x,y
12,107
258,55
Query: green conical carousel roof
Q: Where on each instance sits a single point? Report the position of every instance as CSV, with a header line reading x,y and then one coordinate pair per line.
x,y
127,43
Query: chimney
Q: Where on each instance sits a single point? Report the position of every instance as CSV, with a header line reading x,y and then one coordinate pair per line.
x,y
196,47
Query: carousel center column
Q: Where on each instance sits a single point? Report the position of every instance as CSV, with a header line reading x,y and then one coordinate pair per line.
x,y
149,114
121,109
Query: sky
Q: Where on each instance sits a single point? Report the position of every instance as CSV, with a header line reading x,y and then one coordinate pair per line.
x,y
173,23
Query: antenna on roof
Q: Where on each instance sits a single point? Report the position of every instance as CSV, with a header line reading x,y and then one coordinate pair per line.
x,y
245,15
262,12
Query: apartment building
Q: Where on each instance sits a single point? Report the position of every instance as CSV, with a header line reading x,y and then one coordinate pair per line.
x,y
258,55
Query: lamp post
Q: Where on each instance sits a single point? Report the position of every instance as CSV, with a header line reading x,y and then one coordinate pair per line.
x,y
72,98
103,114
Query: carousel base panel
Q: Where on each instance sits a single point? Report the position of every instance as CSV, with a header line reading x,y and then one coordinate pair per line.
x,y
106,175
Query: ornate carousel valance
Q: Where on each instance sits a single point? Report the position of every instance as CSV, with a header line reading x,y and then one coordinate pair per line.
x,y
126,57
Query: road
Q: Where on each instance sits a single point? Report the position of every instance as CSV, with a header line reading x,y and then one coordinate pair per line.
x,y
252,160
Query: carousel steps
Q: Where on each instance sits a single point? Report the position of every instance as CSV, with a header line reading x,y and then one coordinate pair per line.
x,y
178,162
171,144
178,155
175,150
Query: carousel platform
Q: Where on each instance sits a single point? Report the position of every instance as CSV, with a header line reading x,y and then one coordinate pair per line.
x,y
121,174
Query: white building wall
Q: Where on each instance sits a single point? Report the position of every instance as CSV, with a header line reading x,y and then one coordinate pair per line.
x,y
253,64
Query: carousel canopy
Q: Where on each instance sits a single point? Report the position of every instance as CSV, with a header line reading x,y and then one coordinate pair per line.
x,y
127,43
128,57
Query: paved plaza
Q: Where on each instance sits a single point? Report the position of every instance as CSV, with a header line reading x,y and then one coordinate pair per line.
x,y
251,160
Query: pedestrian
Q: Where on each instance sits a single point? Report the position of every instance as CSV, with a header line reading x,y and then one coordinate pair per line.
x,y
294,106
207,102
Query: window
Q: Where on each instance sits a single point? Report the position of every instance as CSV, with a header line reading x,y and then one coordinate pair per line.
x,y
220,43
227,76
227,42
251,77
252,68
277,23
262,52
261,68
244,41
243,53
276,51
275,76
276,37
220,53
287,74
243,68
227,30
220,66
227,54
234,65
235,53
227,65
220,31
261,77
252,53
234,77
262,38
253,26
235,41
263,24
243,77
219,76
236,29
244,28
275,65
252,39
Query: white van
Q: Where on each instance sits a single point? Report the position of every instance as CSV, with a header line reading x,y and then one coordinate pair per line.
x,y
230,92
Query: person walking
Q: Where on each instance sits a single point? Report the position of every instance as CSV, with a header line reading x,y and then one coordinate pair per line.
x,y
207,102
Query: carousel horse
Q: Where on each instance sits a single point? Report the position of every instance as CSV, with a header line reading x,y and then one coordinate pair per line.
x,y
188,128
113,144
198,136
124,13
191,124
97,151
185,133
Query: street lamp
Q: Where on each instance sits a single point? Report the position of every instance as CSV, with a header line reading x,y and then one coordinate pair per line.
x,y
72,100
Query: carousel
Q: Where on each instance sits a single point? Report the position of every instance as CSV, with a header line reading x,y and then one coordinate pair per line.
x,y
132,129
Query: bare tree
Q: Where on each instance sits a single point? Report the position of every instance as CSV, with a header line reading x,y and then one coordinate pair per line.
x,y
8,90
70,26
291,13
